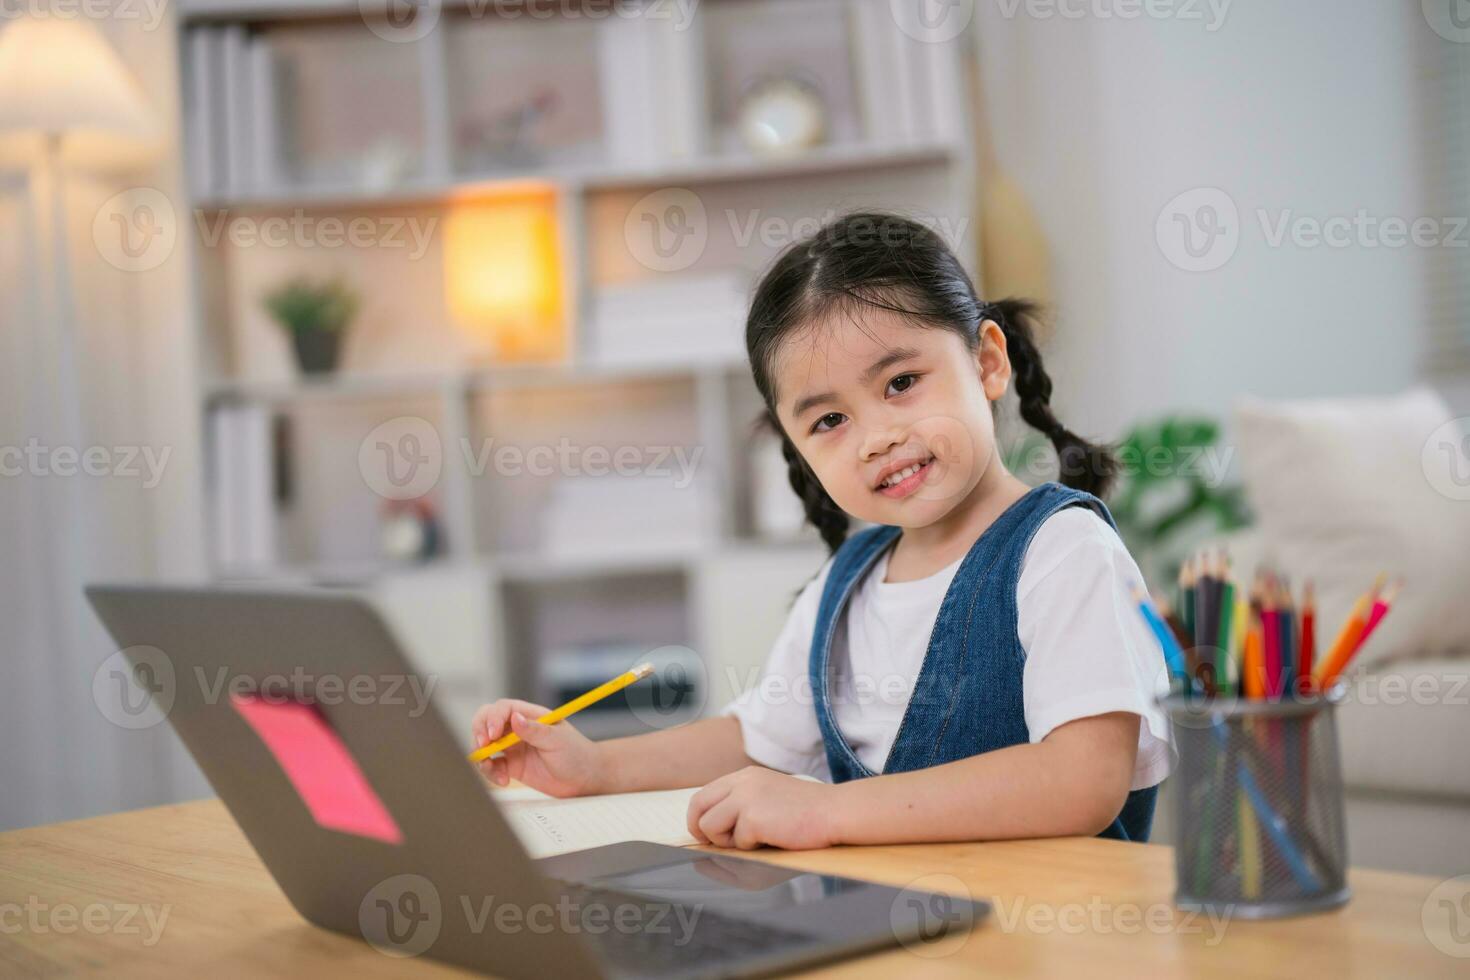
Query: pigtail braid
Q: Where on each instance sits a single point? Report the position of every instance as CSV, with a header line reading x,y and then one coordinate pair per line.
x,y
1082,465
821,510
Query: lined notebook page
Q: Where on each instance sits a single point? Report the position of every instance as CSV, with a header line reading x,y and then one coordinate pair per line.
x,y
550,826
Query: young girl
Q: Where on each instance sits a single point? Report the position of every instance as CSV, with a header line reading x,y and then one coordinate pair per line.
x,y
971,667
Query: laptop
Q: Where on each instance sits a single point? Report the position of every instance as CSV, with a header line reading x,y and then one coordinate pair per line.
x,y
300,708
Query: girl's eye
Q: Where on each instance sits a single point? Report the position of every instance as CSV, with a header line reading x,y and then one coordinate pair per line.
x,y
827,422
902,383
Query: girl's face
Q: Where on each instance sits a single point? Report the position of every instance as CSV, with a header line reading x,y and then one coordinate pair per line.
x,y
893,418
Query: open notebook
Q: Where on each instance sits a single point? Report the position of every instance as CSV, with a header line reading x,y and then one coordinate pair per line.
x,y
548,826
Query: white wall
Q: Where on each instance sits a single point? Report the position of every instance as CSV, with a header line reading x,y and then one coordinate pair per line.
x,y
1309,106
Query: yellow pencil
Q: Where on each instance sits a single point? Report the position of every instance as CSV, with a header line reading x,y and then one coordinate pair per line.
x,y
570,708
1250,847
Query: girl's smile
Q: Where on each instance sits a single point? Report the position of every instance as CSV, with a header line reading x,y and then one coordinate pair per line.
x,y
898,478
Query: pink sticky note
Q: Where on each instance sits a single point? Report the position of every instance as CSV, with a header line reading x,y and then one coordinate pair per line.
x,y
326,776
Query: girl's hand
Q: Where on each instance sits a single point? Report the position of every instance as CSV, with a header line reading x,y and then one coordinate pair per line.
x,y
555,759
755,806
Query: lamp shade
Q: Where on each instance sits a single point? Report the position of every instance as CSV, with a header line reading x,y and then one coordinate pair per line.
x,y
60,78
502,273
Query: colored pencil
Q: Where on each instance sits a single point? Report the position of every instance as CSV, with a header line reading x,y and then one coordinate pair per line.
x,y
1173,655
1337,662
1271,630
1379,610
1250,847
1222,639
1287,622
1186,594
1202,666
1347,639
1239,623
1309,636
1255,660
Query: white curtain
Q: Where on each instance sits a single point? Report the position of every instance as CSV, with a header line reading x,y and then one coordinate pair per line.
x,y
1446,77
133,387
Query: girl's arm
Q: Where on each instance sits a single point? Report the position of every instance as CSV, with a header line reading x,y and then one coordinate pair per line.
x,y
1073,782
560,760
689,755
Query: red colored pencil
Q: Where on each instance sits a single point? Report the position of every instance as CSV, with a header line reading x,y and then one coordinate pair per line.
x,y
1309,635
1271,626
1380,609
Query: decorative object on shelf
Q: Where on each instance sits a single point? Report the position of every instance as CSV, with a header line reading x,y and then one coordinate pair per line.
x,y
503,273
386,164
243,493
410,530
316,315
774,56
626,515
677,319
509,140
782,115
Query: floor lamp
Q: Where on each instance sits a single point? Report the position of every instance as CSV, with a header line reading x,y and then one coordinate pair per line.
x,y
67,105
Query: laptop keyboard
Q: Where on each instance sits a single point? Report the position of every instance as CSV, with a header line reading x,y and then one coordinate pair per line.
x,y
668,937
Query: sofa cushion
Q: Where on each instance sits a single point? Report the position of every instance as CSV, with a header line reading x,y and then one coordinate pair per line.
x,y
1405,727
1345,489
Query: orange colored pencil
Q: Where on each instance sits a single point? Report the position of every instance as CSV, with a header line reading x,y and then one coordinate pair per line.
x,y
1252,680
1381,606
1255,663
1348,639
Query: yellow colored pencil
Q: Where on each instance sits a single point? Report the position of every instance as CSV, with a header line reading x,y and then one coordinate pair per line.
x,y
1239,627
1250,847
570,708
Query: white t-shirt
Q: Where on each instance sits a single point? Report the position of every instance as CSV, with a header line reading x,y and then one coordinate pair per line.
x,y
1088,652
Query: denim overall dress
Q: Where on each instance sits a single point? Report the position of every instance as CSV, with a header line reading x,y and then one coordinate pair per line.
x,y
967,697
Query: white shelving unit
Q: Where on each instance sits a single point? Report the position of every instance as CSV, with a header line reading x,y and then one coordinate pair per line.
x,y
514,602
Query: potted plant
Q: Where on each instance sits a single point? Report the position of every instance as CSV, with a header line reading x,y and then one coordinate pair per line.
x,y
1171,495
316,315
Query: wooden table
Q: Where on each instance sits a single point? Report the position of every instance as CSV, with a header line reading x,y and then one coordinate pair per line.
x,y
177,891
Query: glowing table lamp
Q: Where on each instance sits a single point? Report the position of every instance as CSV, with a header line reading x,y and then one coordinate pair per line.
x,y
503,274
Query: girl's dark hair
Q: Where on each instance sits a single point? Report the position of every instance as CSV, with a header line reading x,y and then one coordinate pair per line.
x,y
889,262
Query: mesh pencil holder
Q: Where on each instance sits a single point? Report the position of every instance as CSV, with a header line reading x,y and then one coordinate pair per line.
x,y
1260,812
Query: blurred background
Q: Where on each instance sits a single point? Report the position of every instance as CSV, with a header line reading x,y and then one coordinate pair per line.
x,y
444,301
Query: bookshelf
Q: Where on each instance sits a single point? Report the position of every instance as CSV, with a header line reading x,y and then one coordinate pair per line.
x,y
310,113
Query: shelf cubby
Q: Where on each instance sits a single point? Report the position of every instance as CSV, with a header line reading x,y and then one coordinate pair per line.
x,y
303,110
